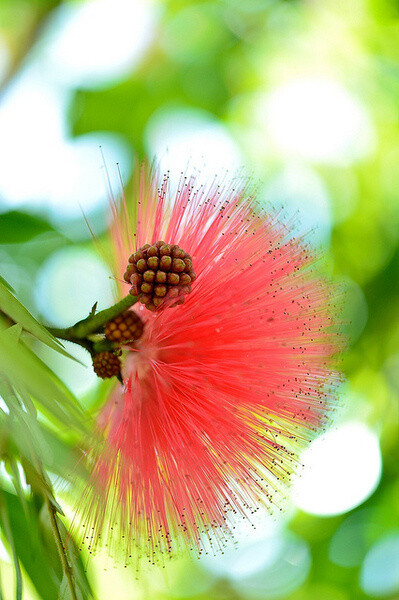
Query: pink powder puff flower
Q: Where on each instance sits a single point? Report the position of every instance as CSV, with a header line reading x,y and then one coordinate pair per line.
x,y
220,393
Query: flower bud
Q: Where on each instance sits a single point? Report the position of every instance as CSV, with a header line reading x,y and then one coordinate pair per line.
x,y
106,365
126,327
158,273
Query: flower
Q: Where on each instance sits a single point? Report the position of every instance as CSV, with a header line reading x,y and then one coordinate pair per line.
x,y
221,392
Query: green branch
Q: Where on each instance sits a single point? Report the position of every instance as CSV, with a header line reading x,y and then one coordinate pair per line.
x,y
78,333
94,322
82,330
66,567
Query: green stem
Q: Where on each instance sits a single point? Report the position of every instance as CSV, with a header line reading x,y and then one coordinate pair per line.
x,y
104,345
94,322
66,567
78,332
63,334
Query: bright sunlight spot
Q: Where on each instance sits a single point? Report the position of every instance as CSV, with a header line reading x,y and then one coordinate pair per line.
x,y
32,127
379,575
302,195
99,41
41,164
318,120
255,544
178,135
86,181
69,283
341,469
285,568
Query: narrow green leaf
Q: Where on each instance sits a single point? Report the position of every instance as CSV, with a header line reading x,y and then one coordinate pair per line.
x,y
39,482
10,534
83,588
6,284
18,313
81,583
14,332
17,227
22,426
64,593
65,459
28,547
23,368
16,479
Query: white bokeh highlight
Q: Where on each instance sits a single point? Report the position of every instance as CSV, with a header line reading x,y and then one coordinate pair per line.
x,y
316,119
69,283
379,575
191,139
342,468
32,128
41,164
281,565
302,195
255,543
96,42
88,169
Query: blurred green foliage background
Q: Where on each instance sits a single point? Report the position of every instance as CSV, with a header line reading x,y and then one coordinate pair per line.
x,y
303,94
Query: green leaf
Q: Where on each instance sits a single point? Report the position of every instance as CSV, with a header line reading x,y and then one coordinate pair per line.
x,y
17,227
24,370
10,533
64,593
6,284
29,534
83,588
22,427
39,483
18,313
25,541
81,584
65,458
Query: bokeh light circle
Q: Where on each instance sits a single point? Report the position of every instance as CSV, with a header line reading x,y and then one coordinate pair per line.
x,y
86,180
69,283
317,119
41,164
95,42
341,469
33,126
351,540
179,135
286,565
379,575
255,543
302,195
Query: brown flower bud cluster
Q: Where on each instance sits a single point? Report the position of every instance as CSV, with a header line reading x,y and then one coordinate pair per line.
x,y
106,364
160,272
122,329
126,327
